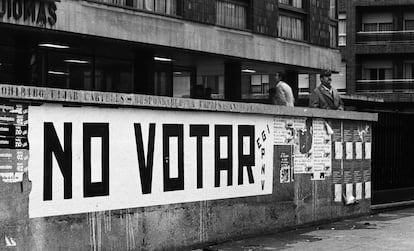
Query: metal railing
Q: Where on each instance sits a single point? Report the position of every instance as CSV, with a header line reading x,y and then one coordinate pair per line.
x,y
386,85
384,36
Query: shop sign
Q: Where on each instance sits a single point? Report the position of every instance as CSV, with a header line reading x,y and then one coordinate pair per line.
x,y
38,12
97,159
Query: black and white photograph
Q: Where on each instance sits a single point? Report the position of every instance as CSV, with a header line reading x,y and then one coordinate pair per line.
x,y
206,125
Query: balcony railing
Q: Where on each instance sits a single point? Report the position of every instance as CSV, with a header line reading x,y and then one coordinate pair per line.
x,y
384,36
167,7
386,86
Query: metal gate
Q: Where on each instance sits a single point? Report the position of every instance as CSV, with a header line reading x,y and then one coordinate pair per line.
x,y
393,158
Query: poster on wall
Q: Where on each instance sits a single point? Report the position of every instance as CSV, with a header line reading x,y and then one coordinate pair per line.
x,y
96,159
286,164
13,142
311,141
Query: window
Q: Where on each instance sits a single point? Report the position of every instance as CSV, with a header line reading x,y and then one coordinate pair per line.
x,y
159,6
409,21
342,29
374,22
339,79
231,14
303,83
408,25
332,9
7,65
183,80
333,36
113,75
73,71
380,70
69,71
293,3
259,84
291,27
215,84
409,69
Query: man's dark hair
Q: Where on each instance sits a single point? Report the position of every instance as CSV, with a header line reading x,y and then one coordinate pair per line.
x,y
325,73
282,75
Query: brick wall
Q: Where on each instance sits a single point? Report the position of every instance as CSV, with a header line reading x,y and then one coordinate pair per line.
x,y
319,22
265,16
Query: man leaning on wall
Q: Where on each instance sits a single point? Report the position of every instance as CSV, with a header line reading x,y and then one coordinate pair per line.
x,y
325,96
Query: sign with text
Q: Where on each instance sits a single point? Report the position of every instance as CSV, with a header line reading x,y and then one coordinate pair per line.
x,y
95,159
35,12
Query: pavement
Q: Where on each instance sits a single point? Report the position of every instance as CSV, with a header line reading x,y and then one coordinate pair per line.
x,y
387,230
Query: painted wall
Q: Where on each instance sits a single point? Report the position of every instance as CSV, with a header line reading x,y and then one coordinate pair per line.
x,y
311,163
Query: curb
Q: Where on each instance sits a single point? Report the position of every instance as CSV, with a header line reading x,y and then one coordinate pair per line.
x,y
392,205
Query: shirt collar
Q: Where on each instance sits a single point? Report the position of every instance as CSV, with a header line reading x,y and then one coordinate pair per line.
x,y
326,88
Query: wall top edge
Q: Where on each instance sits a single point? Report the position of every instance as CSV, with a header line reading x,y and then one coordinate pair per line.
x,y
77,97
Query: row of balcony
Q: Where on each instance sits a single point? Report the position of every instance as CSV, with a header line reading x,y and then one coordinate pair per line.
x,y
386,86
384,36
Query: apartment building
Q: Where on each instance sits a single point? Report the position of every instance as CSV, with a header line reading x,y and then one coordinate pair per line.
x,y
376,42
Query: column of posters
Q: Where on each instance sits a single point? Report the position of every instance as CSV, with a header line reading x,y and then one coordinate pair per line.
x,y
14,153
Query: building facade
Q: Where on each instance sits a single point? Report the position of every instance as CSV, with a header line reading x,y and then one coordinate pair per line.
x,y
376,43
176,48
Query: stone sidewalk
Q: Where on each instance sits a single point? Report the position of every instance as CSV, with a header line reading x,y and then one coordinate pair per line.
x,y
389,230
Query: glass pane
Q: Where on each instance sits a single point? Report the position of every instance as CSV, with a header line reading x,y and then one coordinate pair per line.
x,y
231,14
381,74
291,27
372,74
69,71
385,27
113,75
6,64
332,10
181,84
409,24
370,27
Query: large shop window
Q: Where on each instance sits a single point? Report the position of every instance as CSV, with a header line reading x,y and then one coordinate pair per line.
x,y
7,62
163,80
86,73
213,84
68,71
113,75
291,27
183,81
231,14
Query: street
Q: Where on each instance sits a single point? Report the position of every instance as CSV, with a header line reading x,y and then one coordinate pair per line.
x,y
390,230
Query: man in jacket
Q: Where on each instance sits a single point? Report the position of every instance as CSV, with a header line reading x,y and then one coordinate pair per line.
x,y
325,96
